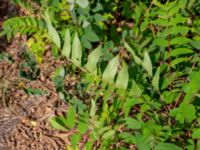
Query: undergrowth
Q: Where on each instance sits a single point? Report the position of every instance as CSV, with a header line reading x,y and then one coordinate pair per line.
x,y
138,63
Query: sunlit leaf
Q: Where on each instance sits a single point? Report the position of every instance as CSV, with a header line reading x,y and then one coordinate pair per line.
x,y
135,57
67,45
93,108
132,123
82,126
108,135
147,63
52,31
71,1
188,111
111,70
75,138
156,78
135,89
71,117
88,145
196,134
93,59
69,148
82,3
123,77
58,123
76,51
103,130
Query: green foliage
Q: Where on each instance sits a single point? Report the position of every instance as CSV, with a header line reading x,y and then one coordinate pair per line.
x,y
139,67
51,30
23,25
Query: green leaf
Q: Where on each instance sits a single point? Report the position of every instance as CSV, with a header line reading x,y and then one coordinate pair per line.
x,y
180,40
58,123
52,31
157,3
82,126
76,51
192,87
132,123
93,59
178,60
127,137
91,36
71,117
99,18
135,89
82,3
156,78
178,19
93,108
141,145
103,130
67,45
111,70
135,57
86,43
188,111
167,146
147,63
160,22
75,140
183,30
161,42
123,77
88,145
83,122
128,104
59,72
196,134
71,1
108,135
181,51
195,44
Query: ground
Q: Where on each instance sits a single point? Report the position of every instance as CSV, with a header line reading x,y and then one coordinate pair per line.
x,y
24,116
